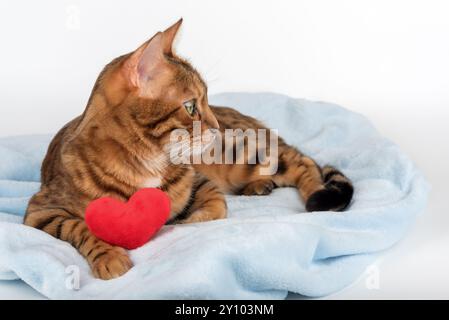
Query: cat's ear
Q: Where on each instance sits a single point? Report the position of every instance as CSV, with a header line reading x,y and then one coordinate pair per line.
x,y
169,36
146,63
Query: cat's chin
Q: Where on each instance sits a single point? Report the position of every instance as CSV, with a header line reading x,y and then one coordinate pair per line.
x,y
208,141
183,151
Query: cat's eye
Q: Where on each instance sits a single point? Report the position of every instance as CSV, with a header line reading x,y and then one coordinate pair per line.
x,y
190,106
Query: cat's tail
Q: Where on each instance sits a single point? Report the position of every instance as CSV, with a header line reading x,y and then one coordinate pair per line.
x,y
336,194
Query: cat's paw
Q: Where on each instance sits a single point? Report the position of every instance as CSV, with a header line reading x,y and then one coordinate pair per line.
x,y
111,264
202,215
258,188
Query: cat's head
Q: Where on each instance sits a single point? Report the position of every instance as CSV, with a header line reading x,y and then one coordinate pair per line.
x,y
151,91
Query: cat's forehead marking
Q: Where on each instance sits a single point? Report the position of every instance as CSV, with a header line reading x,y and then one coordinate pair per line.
x,y
187,70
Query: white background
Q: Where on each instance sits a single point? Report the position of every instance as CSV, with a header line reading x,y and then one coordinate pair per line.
x,y
386,59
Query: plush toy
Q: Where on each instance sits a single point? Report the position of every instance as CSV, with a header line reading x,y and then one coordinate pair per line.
x,y
131,224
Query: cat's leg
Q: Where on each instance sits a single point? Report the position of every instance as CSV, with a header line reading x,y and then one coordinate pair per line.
x,y
321,189
206,203
260,187
105,260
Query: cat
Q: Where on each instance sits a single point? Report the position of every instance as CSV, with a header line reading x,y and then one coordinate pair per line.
x,y
121,143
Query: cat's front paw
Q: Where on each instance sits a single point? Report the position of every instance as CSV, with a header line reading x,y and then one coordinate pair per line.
x,y
111,264
258,188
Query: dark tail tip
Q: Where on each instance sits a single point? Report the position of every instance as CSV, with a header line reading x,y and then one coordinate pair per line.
x,y
337,194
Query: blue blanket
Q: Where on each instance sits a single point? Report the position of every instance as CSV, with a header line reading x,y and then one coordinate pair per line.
x,y
267,247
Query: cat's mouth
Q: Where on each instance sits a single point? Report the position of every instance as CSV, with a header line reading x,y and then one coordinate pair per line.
x,y
202,143
210,137
182,150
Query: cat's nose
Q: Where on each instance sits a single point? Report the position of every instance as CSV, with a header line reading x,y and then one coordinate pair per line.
x,y
214,125
212,122
214,131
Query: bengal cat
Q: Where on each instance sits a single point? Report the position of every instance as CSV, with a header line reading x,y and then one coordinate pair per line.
x,y
121,143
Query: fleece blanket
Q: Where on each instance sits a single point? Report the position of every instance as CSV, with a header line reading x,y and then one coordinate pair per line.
x,y
267,247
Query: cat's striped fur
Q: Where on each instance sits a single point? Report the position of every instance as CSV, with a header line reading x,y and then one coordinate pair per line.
x,y
118,146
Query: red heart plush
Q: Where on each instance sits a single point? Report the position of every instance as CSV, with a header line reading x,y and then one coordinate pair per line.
x,y
131,224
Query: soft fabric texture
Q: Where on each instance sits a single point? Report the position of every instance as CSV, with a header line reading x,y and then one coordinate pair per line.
x,y
132,224
265,248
